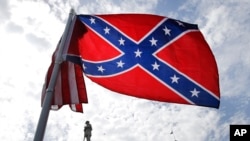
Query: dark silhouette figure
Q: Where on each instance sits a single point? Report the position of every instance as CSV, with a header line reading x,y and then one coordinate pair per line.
x,y
87,131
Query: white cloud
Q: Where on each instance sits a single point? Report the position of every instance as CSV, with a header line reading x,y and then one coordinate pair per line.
x,y
28,38
106,6
4,10
12,27
41,23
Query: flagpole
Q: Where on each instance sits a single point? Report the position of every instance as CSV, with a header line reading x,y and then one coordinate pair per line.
x,y
41,126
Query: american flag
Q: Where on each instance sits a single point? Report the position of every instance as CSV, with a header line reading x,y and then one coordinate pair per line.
x,y
69,88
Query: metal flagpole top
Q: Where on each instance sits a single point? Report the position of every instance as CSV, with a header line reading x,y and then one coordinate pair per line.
x,y
72,11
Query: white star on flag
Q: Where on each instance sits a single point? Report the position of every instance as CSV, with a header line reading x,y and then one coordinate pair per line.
x,y
106,30
92,20
175,79
138,53
153,42
180,23
195,93
121,41
120,64
83,66
100,68
155,66
167,31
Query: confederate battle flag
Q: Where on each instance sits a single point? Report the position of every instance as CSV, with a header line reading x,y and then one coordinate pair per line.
x,y
146,56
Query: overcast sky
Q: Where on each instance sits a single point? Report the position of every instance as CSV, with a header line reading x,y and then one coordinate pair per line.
x,y
30,30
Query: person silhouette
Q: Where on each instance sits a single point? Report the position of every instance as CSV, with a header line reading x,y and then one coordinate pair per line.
x,y
87,131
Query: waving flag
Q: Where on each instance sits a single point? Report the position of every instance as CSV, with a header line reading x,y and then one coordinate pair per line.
x,y
70,87
147,56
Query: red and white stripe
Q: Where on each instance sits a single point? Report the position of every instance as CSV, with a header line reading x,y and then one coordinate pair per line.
x,y
70,87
